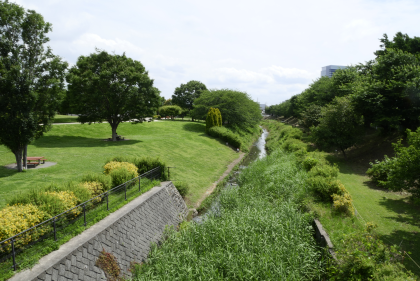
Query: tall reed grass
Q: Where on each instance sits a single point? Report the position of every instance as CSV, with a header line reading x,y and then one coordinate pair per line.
x,y
259,233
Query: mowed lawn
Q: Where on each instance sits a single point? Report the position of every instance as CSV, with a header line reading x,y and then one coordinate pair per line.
x,y
398,220
78,149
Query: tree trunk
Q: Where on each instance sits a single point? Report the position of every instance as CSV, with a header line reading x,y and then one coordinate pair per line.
x,y
18,155
345,156
114,132
25,153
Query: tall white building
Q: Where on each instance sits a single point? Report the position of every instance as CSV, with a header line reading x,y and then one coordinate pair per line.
x,y
330,69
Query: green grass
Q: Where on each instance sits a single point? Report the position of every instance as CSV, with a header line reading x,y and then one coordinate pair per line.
x,y
78,149
65,231
64,119
398,220
259,234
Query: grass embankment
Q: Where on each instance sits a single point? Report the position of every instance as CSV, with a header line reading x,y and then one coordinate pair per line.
x,y
354,240
65,119
259,234
80,149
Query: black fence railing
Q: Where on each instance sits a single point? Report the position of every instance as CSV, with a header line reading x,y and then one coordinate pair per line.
x,y
15,251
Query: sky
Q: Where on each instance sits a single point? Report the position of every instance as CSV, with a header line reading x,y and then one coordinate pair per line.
x,y
271,50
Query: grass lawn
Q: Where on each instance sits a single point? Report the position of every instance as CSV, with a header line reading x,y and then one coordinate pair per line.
x,y
64,119
78,149
398,221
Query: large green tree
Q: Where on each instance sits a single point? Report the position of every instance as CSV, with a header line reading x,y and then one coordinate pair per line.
x,y
237,108
111,87
31,79
185,94
339,125
401,42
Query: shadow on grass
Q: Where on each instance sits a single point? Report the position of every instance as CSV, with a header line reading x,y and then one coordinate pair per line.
x,y
405,213
5,172
75,141
194,127
408,241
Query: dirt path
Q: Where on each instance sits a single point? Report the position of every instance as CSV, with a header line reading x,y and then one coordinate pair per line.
x,y
213,186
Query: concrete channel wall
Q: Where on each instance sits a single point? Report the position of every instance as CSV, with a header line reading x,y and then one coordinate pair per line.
x,y
127,234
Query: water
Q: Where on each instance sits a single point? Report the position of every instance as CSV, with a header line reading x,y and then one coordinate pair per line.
x,y
257,151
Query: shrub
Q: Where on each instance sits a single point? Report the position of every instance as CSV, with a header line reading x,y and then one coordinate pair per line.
x,y
226,135
379,171
121,175
113,165
291,133
324,170
95,188
293,145
17,218
213,119
50,201
143,164
309,162
104,180
324,187
343,203
182,187
81,193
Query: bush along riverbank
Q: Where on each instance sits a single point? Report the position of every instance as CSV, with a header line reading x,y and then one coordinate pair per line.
x,y
259,232
361,254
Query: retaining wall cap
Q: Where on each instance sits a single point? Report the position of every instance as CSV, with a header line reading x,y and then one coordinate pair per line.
x,y
67,248
324,233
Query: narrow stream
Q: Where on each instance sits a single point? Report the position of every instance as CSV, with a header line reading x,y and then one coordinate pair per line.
x,y
257,151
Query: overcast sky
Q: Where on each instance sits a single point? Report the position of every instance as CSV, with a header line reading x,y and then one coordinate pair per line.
x,y
270,49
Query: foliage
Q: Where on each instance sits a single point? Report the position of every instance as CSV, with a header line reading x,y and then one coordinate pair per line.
x,y
95,188
339,125
401,172
15,219
103,180
214,118
170,110
143,164
401,42
258,228
236,107
111,87
182,187
366,257
227,136
109,264
324,187
186,94
116,165
324,170
342,201
310,116
31,78
293,145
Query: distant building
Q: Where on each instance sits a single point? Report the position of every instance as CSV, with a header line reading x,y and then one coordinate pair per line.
x,y
330,69
262,107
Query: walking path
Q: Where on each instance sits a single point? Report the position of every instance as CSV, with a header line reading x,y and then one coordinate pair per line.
x,y
225,174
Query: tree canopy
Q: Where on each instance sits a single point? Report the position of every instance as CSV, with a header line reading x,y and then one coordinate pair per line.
x,y
236,107
31,78
111,87
185,95
170,110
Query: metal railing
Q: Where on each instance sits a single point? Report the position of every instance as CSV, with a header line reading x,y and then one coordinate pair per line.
x,y
26,241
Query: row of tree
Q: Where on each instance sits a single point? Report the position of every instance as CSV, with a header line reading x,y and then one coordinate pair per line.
x,y
383,93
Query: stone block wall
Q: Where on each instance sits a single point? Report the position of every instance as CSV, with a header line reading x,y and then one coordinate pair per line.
x,y
127,234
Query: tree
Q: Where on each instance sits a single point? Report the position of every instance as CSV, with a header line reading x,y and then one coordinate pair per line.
x,y
402,171
185,94
237,108
111,87
214,118
31,79
170,110
401,42
168,102
339,125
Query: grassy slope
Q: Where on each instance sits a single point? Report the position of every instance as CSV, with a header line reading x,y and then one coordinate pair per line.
x,y
64,119
78,149
398,221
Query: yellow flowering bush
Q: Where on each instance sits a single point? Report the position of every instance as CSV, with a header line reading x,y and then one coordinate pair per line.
x,y
343,201
113,165
95,188
17,218
67,200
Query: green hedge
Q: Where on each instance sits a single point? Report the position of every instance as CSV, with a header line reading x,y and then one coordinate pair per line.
x,y
143,164
227,136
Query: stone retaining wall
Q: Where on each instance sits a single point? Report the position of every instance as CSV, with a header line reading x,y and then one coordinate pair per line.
x,y
127,234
